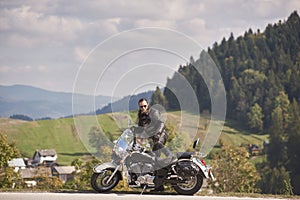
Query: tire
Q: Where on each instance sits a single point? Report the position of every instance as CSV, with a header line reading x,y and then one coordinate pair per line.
x,y
99,181
190,188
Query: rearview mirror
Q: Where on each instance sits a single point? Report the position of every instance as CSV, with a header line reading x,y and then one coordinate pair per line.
x,y
196,142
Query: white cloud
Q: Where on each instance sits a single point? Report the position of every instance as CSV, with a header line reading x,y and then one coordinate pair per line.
x,y
155,23
4,69
23,69
80,54
42,68
28,25
110,25
52,38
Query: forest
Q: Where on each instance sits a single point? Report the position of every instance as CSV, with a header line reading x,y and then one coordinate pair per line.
x,y
260,71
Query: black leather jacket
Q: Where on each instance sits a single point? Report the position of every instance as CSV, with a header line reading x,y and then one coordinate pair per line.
x,y
152,123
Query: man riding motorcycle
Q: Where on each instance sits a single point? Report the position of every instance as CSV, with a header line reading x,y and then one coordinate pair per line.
x,y
153,127
144,168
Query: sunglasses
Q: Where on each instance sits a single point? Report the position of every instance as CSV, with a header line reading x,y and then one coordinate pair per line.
x,y
143,106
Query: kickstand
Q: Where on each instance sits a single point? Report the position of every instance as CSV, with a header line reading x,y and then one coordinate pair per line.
x,y
143,190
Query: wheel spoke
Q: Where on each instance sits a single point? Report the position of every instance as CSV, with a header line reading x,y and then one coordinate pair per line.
x,y
101,182
190,184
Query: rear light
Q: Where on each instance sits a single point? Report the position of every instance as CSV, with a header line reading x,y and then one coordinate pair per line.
x,y
203,162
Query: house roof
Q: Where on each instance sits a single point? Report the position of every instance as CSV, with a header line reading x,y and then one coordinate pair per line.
x,y
16,162
32,172
46,152
64,169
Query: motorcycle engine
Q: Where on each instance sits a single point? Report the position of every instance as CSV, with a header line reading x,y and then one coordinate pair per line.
x,y
145,180
186,169
140,174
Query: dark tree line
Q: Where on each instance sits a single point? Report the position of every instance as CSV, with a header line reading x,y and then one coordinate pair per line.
x,y
261,75
21,117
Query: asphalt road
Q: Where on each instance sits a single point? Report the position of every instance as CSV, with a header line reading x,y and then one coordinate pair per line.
x,y
93,196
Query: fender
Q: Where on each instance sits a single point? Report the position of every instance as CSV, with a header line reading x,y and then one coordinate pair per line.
x,y
109,165
204,169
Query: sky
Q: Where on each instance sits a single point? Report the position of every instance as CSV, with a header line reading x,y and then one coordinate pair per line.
x,y
100,47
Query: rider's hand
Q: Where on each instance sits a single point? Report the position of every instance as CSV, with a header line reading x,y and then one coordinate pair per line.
x,y
139,140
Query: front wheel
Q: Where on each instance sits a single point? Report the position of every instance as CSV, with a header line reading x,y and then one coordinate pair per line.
x,y
191,186
100,181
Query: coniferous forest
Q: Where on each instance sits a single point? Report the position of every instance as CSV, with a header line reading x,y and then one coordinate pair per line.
x,y
261,75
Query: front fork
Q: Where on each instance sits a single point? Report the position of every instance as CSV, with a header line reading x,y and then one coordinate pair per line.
x,y
100,168
114,173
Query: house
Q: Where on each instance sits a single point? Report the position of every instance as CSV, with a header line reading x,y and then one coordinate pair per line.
x,y
253,149
17,163
64,173
44,156
29,174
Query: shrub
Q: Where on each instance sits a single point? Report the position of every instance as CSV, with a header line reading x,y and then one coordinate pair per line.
x,y
233,171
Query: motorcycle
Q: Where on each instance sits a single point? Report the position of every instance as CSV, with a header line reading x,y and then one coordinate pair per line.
x,y
143,169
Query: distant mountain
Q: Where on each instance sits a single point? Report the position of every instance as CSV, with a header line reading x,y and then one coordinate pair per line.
x,y
38,103
127,103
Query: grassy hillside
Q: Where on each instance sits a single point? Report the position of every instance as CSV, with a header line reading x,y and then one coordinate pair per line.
x,y
48,134
235,135
61,135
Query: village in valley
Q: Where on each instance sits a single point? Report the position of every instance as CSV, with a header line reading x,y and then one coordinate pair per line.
x,y
43,163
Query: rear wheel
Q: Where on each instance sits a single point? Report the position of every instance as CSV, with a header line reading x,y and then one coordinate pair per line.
x,y
100,181
191,186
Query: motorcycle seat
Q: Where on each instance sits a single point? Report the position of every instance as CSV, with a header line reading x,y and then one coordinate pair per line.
x,y
186,155
162,162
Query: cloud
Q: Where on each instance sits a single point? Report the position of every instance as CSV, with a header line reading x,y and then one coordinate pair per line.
x,y
59,22
38,27
23,69
49,40
81,54
155,23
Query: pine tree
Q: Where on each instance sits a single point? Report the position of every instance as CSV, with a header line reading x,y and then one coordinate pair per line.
x,y
276,181
283,102
158,98
293,146
255,118
277,154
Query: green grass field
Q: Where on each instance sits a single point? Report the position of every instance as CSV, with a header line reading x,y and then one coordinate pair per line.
x,y
48,134
62,134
